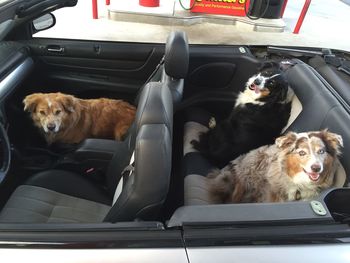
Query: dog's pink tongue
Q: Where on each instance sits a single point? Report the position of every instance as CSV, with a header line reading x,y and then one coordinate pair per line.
x,y
314,176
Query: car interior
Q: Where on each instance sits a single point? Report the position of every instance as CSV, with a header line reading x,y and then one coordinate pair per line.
x,y
88,182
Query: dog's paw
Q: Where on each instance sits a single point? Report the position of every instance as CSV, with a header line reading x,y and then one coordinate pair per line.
x,y
212,123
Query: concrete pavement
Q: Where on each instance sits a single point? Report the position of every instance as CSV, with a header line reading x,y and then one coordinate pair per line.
x,y
326,25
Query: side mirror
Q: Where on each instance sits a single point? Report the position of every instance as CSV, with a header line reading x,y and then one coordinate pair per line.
x,y
44,22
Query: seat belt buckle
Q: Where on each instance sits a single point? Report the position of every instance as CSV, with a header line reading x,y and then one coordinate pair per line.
x,y
128,170
96,174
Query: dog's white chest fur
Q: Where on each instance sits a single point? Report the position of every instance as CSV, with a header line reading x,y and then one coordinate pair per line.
x,y
248,96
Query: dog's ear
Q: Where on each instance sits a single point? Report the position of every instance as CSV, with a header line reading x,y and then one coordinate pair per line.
x,y
68,102
286,64
30,102
286,141
283,65
333,142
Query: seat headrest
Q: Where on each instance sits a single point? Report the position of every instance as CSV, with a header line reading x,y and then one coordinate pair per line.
x,y
176,55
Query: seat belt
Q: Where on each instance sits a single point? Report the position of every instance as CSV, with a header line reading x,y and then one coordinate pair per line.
x,y
161,62
128,170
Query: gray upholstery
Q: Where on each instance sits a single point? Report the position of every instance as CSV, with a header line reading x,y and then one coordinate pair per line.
x,y
196,190
71,184
39,205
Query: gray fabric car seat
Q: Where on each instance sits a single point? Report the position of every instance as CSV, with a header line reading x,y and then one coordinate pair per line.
x,y
61,196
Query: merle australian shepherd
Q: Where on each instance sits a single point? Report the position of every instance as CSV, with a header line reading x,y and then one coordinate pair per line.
x,y
297,167
258,117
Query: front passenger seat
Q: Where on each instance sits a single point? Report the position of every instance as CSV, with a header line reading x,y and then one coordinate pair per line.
x,y
57,196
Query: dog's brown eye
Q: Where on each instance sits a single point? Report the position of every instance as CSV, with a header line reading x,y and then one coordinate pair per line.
x,y
321,151
302,153
57,112
42,112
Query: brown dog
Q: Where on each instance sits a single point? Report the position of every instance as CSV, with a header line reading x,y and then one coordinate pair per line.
x,y
64,118
297,167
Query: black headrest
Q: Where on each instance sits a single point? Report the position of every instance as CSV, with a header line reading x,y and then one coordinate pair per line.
x,y
176,55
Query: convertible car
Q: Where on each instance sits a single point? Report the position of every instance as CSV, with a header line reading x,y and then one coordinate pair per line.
x,y
140,199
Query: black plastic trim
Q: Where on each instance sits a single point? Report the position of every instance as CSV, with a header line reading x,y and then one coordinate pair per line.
x,y
120,235
273,235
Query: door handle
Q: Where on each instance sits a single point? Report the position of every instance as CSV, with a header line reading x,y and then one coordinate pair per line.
x,y
55,49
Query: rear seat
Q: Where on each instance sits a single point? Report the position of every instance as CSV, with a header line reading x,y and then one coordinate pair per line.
x,y
320,110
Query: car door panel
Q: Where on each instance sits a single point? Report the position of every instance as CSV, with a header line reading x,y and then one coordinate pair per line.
x,y
218,69
80,67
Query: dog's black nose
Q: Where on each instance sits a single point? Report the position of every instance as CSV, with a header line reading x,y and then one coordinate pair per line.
x,y
316,168
51,126
257,81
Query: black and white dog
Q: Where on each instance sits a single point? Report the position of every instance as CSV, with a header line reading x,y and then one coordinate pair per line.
x,y
260,113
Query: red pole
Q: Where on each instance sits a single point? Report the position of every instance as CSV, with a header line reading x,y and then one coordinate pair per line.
x,y
108,2
302,16
149,3
283,7
94,9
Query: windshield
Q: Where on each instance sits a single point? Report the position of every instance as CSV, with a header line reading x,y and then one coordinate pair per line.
x,y
274,22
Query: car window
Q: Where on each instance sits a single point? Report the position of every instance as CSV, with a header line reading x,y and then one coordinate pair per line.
x,y
4,1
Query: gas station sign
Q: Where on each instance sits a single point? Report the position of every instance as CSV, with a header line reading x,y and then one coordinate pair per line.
x,y
222,7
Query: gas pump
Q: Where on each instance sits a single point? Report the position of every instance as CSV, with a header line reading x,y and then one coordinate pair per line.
x,y
265,9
